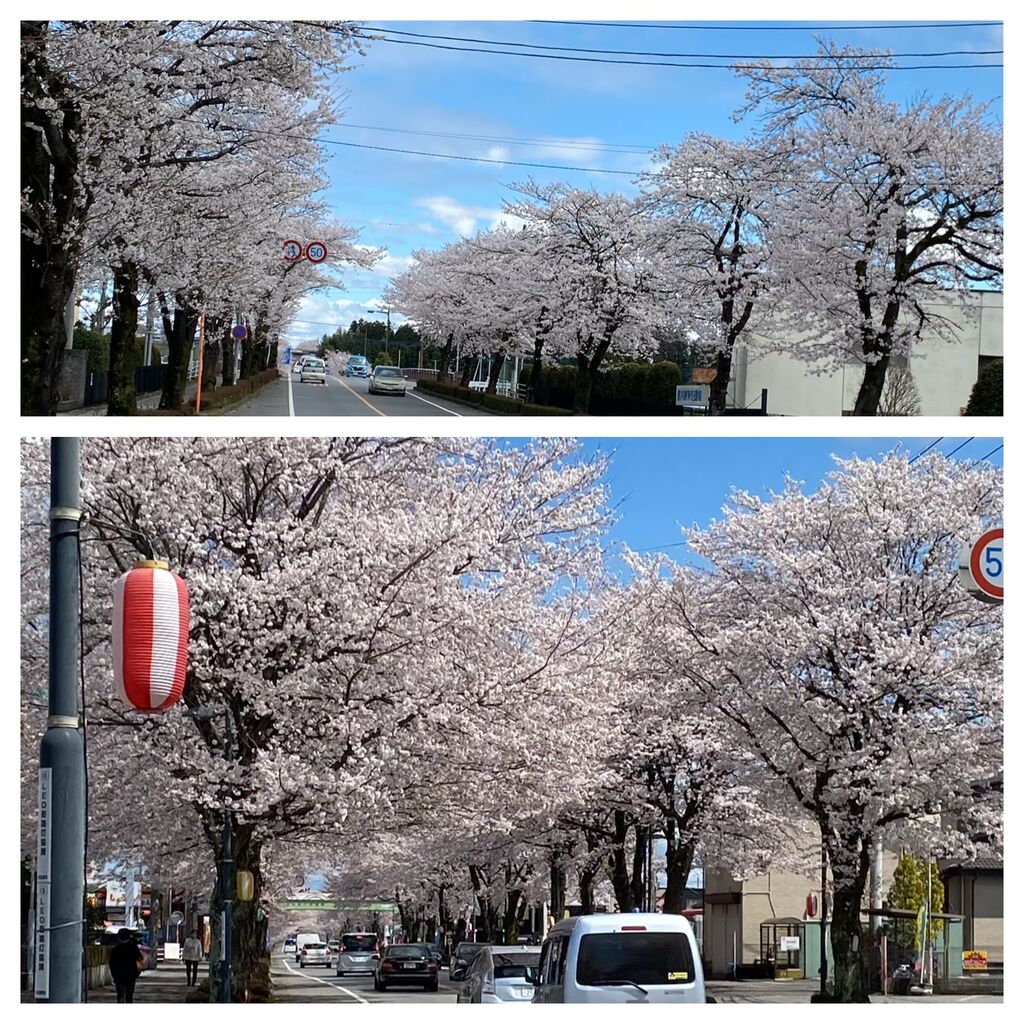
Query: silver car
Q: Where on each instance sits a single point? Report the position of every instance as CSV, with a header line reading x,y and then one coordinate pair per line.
x,y
386,380
357,954
501,974
315,954
313,371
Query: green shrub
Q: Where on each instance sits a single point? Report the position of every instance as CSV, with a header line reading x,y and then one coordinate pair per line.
x,y
96,345
624,389
383,359
987,394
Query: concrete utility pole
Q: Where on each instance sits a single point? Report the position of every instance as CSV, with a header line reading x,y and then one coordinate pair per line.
x,y
60,893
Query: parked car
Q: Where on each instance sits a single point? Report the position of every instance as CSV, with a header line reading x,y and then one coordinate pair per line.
x,y
386,380
406,964
357,954
501,974
302,939
313,371
289,944
620,958
333,945
315,954
464,955
358,366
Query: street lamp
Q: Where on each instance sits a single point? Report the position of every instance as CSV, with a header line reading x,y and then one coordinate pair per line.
x,y
386,309
227,873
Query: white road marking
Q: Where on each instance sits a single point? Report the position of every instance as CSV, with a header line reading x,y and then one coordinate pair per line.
x,y
436,406
324,981
291,403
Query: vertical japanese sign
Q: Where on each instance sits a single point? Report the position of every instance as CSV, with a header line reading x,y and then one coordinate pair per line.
x,y
43,885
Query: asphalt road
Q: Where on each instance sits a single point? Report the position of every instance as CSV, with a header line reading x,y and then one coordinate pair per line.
x,y
343,396
293,984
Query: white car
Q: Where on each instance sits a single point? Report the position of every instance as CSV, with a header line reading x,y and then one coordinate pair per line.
x,y
501,974
386,380
313,371
315,954
621,958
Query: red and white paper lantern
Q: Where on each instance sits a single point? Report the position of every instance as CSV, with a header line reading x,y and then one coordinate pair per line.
x,y
150,636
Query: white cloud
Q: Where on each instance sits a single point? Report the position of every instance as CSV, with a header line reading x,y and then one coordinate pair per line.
x,y
459,217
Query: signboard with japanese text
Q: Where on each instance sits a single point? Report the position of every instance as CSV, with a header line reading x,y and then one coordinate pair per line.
x,y
693,396
45,825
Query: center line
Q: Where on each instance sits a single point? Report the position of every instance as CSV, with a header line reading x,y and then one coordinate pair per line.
x,y
369,405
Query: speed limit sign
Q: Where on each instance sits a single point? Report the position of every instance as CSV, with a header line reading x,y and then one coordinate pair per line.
x,y
292,250
981,566
316,252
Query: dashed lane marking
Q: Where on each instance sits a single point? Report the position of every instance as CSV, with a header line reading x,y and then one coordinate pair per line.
x,y
324,981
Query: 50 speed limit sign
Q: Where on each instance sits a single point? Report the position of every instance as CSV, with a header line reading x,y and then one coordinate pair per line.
x,y
981,566
316,252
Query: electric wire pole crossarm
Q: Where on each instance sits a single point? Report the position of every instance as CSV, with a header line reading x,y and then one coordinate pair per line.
x,y
227,871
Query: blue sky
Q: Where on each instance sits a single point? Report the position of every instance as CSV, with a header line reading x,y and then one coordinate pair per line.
x,y
591,115
663,483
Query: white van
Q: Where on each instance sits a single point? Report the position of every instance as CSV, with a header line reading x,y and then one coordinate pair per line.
x,y
620,958
301,939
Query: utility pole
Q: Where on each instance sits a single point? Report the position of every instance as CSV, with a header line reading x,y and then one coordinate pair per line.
x,y
824,885
228,873
387,336
60,863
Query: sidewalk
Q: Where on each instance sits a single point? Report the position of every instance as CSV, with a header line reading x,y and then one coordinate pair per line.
x,y
164,985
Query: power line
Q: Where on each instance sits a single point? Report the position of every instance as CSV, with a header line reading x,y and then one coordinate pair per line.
x,y
661,63
830,27
949,455
984,457
923,450
557,143
695,56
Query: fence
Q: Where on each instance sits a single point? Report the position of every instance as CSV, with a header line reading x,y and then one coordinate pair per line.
x,y
97,383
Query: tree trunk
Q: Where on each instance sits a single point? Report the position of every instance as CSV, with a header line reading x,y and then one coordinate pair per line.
x,y
213,333
52,220
250,964
513,904
446,358
123,328
557,902
535,368
180,334
496,364
871,387
679,860
638,884
468,369
720,385
618,872
586,373
228,344
586,878
851,862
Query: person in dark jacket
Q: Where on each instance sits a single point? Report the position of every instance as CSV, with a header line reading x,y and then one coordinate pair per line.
x,y
124,965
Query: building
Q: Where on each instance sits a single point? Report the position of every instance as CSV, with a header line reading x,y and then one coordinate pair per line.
x,y
974,889
943,372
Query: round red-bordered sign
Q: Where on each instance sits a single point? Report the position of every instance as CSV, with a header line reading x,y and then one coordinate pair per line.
x,y
982,578
292,249
316,252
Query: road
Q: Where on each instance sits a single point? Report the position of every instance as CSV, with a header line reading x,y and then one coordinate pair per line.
x,y
293,984
343,396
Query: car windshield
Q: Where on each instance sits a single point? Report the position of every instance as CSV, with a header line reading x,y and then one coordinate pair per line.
x,y
359,943
314,364
516,965
640,958
467,950
387,371
408,951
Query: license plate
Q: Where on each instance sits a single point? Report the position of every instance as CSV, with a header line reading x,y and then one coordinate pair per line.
x,y
410,967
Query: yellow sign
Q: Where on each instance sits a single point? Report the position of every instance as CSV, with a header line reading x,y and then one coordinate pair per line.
x,y
678,975
975,960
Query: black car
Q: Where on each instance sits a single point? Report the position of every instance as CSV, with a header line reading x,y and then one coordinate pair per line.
x,y
465,953
406,964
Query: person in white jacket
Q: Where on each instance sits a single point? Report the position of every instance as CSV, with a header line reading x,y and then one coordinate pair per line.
x,y
192,954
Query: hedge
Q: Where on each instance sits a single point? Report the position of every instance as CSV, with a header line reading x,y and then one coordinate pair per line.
x,y
629,389
498,403
220,397
987,394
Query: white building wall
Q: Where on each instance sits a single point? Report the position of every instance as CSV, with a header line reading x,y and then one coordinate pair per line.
x,y
944,372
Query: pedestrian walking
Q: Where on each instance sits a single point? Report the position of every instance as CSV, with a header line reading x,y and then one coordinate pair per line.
x,y
192,954
125,965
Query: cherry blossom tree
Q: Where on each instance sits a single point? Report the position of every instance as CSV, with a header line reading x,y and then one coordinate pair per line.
x,y
832,631
890,213
712,200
